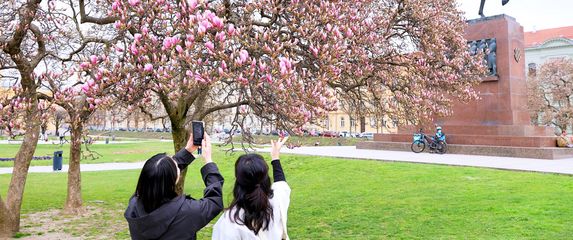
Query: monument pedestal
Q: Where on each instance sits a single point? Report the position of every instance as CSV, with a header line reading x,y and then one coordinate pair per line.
x,y
498,123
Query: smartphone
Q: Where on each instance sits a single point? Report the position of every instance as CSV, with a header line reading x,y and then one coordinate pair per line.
x,y
198,132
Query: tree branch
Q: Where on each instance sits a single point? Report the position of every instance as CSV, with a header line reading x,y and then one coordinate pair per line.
x,y
221,107
100,21
12,46
41,45
150,115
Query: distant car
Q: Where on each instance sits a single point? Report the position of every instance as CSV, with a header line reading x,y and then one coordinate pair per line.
x,y
345,134
367,135
329,134
274,133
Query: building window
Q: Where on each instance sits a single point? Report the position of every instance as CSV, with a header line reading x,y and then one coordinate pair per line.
x,y
352,122
341,121
373,121
327,123
532,69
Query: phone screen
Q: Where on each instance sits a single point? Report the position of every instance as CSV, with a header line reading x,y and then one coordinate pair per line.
x,y
198,131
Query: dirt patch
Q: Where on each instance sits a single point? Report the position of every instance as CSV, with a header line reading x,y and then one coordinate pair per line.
x,y
95,223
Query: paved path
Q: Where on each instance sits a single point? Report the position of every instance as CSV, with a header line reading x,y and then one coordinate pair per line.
x,y
84,167
54,142
563,166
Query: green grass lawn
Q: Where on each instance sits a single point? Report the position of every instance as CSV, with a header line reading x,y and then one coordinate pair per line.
x,y
259,139
352,199
306,140
127,134
121,152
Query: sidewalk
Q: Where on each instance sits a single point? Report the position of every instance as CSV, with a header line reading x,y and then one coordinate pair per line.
x,y
562,166
84,167
54,142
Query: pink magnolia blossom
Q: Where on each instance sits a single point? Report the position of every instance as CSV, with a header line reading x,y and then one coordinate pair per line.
x,y
85,88
285,65
133,3
231,30
201,30
115,5
85,65
137,37
148,67
93,59
217,22
192,5
220,36
209,45
133,49
243,55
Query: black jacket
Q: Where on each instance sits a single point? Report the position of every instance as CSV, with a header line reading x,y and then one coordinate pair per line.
x,y
183,216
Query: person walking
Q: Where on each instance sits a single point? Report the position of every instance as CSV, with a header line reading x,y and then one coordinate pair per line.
x,y
259,209
156,211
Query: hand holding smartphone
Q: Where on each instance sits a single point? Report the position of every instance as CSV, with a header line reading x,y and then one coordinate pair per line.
x,y
198,133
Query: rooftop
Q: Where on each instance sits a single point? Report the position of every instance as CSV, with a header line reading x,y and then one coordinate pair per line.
x,y
535,38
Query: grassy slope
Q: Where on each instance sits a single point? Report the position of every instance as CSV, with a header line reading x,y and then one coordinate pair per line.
x,y
348,199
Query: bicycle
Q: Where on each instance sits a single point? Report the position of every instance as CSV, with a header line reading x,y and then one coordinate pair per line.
x,y
421,140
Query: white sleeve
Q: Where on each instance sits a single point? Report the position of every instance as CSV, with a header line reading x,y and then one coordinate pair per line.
x,y
281,194
223,230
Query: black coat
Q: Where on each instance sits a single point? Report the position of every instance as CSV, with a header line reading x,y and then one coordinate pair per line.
x,y
183,216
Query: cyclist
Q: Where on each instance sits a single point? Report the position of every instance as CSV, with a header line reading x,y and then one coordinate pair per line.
x,y
440,136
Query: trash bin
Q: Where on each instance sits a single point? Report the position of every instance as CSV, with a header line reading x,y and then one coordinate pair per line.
x,y
106,140
58,160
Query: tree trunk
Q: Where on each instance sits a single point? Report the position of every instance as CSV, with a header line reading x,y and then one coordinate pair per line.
x,y
180,136
74,200
21,166
57,126
136,120
5,221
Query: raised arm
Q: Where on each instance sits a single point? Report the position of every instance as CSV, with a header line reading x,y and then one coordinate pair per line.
x,y
212,202
278,173
185,157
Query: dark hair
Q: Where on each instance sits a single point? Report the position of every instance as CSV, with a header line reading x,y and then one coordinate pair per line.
x,y
156,184
252,192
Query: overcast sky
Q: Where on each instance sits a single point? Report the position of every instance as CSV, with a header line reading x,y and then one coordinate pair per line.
x,y
531,14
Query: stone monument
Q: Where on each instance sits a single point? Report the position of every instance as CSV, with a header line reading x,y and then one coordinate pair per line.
x,y
498,123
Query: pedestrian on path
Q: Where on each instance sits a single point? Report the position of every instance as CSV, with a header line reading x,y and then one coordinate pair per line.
x,y
156,211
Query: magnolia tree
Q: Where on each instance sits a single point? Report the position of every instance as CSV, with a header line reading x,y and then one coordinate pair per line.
x,y
38,40
284,60
550,94
407,60
79,93
76,77
198,58
22,47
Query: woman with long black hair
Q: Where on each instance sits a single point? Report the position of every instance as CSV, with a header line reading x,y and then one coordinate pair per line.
x,y
259,209
156,211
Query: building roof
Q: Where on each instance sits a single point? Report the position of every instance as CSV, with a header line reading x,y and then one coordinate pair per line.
x,y
535,38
